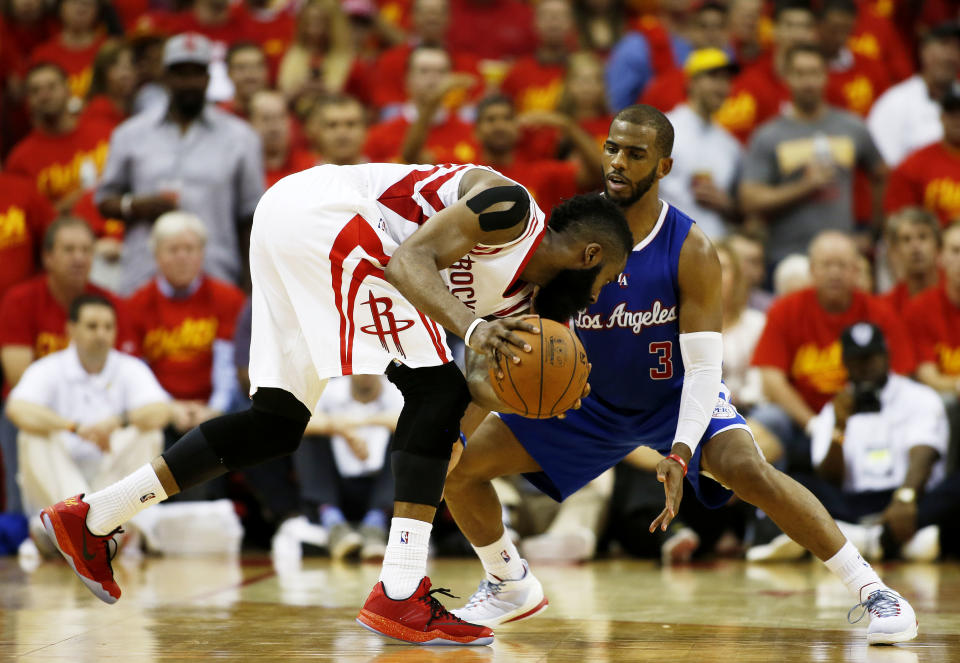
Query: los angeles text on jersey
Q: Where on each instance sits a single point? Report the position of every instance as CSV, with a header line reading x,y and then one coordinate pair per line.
x,y
658,314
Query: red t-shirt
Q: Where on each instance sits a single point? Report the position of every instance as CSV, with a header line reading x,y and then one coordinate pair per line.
x,y
273,31
54,163
450,141
934,323
175,336
388,78
297,160
101,109
78,63
930,178
858,86
755,96
665,90
803,340
658,41
234,28
534,86
494,29
875,38
24,217
549,181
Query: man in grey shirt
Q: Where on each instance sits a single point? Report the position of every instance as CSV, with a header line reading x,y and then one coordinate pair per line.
x,y
798,172
183,155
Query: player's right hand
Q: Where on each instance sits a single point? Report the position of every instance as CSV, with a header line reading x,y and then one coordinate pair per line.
x,y
493,338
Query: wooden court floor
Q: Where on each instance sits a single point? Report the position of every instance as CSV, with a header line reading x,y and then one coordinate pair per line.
x,y
606,612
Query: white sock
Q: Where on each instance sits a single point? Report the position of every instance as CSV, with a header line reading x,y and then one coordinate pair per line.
x,y
854,571
114,505
405,561
500,559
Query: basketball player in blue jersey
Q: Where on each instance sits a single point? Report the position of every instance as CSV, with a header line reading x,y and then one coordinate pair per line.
x,y
654,341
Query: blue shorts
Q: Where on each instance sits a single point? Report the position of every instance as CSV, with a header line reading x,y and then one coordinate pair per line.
x,y
573,451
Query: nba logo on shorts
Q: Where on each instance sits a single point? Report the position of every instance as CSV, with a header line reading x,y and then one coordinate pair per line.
x,y
404,537
505,556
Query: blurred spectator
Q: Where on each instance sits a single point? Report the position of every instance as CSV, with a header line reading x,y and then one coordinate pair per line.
x,y
112,86
878,449
63,155
742,327
798,172
75,48
669,88
906,117
854,81
600,24
27,24
185,155
88,415
536,82
913,240
706,157
933,317
269,118
760,92
344,479
320,58
24,218
247,68
584,96
753,266
930,177
337,130
425,131
743,17
799,351
548,180
271,25
148,61
792,274
35,319
491,29
875,35
430,24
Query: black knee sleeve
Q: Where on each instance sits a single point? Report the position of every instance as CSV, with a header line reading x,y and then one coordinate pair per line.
x,y
434,400
271,428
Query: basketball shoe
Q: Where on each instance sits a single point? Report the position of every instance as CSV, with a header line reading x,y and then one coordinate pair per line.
x,y
420,619
892,619
496,603
87,553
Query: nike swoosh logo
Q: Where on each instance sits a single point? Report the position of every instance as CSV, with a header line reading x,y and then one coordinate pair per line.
x,y
86,555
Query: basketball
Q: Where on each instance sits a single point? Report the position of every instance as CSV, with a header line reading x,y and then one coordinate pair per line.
x,y
549,379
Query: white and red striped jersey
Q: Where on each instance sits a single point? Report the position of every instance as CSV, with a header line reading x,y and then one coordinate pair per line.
x,y
486,280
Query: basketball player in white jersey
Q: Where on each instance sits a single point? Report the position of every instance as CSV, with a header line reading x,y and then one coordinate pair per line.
x,y
355,269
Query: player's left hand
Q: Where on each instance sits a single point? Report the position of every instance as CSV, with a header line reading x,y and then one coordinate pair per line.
x,y
670,474
901,518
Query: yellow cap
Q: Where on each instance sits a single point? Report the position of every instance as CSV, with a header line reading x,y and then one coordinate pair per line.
x,y
706,59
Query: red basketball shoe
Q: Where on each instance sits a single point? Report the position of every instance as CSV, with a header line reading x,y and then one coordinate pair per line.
x,y
420,619
88,553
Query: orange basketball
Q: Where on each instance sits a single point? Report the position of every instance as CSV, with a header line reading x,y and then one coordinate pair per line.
x,y
549,379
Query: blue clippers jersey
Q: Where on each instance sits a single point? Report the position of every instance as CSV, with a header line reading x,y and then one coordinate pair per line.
x,y
631,334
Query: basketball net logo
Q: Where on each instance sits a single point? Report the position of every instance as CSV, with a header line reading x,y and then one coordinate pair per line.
x,y
384,323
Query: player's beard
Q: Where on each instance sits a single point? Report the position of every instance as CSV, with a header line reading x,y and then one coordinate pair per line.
x,y
640,188
567,293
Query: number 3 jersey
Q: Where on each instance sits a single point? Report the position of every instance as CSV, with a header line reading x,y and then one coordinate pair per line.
x,y
631,334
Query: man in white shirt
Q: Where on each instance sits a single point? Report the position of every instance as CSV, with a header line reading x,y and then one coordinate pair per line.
x,y
907,116
87,415
878,450
706,157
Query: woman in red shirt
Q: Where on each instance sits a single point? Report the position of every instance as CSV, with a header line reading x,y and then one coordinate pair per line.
x,y
113,85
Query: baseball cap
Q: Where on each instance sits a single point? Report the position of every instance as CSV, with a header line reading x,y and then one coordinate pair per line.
x,y
707,59
187,47
862,339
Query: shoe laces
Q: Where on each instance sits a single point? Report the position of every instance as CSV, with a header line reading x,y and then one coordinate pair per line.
x,y
882,603
486,590
116,547
437,609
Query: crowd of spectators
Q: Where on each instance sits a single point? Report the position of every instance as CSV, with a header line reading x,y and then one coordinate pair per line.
x,y
817,144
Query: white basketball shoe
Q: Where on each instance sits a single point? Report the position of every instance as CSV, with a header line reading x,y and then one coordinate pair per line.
x,y
496,603
892,618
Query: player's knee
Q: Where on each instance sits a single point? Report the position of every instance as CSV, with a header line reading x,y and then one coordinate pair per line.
x,y
434,400
749,477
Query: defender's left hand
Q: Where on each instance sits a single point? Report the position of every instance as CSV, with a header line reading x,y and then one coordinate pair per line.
x,y
901,517
670,474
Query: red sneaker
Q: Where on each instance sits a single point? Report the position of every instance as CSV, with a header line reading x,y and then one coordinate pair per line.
x,y
87,553
420,619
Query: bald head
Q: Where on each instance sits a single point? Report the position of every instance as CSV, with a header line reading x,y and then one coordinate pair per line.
x,y
834,269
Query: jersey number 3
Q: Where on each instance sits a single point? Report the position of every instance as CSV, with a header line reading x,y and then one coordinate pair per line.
x,y
664,352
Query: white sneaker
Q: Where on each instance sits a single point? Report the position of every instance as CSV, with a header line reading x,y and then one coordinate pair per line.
x,y
577,545
924,546
679,548
496,603
781,549
892,619
865,538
